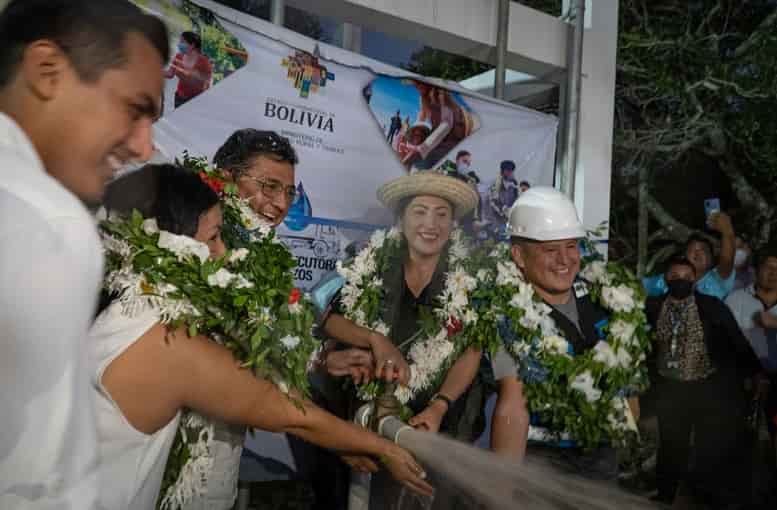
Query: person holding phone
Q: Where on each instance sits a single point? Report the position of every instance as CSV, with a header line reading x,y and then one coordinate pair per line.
x,y
712,279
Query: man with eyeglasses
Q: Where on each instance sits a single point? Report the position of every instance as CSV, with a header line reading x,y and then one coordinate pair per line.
x,y
261,164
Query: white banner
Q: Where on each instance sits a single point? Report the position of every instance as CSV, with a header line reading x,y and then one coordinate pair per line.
x,y
356,123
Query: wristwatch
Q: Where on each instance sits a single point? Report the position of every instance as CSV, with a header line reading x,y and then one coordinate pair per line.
x,y
440,396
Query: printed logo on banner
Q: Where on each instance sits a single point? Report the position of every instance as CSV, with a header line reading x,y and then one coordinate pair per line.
x,y
306,73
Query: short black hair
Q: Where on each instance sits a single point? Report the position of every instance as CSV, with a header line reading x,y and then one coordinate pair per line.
x,y
182,197
697,238
461,154
91,33
680,261
769,251
193,39
507,165
245,145
525,183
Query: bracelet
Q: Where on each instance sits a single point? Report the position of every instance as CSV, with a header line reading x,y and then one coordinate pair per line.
x,y
440,396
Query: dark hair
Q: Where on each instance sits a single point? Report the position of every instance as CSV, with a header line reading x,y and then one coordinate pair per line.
x,y
461,154
680,261
525,183
405,202
770,251
507,165
182,197
244,145
91,33
696,238
192,39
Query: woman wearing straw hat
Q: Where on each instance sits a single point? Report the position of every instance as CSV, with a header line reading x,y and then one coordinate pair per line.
x,y
408,292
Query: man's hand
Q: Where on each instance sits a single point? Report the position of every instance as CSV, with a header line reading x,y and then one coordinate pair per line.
x,y
358,363
389,362
404,468
721,222
766,320
360,463
430,418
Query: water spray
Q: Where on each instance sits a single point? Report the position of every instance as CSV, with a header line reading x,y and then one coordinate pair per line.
x,y
487,480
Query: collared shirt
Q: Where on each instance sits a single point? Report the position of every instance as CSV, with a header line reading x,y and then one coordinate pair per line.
x,y
745,305
682,350
711,284
50,269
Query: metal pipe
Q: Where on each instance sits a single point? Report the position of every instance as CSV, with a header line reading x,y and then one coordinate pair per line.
x,y
572,116
278,12
502,32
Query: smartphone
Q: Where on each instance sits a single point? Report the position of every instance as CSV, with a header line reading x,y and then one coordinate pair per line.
x,y
711,205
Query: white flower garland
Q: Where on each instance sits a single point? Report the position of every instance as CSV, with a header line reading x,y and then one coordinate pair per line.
x,y
137,295
429,355
540,340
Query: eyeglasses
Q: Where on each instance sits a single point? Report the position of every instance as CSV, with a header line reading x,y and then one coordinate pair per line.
x,y
272,188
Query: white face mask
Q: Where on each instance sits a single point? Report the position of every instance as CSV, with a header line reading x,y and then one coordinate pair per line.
x,y
740,258
462,167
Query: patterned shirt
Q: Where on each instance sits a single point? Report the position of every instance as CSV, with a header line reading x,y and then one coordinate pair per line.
x,y
682,351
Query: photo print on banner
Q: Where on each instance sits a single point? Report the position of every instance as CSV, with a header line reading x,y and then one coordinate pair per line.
x,y
421,122
204,52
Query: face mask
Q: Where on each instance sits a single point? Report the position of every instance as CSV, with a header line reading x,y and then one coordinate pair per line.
x,y
680,289
462,167
183,47
740,258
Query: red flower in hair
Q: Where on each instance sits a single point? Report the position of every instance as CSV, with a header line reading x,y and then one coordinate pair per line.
x,y
294,296
454,326
213,183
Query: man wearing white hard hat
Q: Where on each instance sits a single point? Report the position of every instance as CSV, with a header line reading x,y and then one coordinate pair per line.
x,y
545,231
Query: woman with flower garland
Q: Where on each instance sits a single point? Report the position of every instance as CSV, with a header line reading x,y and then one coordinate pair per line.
x,y
574,342
411,285
149,372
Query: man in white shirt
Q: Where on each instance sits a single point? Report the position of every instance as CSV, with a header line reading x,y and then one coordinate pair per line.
x,y
80,85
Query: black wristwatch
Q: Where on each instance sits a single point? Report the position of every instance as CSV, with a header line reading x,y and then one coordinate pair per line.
x,y
440,396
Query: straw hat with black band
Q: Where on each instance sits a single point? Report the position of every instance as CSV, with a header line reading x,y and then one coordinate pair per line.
x,y
458,192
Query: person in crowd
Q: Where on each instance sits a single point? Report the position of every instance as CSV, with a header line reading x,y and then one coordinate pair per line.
x,y
743,264
148,372
192,68
394,127
503,192
426,205
80,84
755,309
702,359
712,280
545,231
463,161
524,186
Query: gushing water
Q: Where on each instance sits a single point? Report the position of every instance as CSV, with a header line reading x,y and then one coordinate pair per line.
x,y
495,483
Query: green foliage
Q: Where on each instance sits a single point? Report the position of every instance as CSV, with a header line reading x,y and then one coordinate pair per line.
x,y
696,88
440,64
216,42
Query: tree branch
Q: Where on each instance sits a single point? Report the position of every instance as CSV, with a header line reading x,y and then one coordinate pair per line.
x,y
756,35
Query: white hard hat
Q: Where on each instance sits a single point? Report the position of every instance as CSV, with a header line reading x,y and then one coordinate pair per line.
x,y
544,214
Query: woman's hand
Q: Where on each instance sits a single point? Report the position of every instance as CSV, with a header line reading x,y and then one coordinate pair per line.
x,y
389,362
404,468
358,363
430,418
360,463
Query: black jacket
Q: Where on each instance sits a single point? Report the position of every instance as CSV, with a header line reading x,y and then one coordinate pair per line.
x,y
727,347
